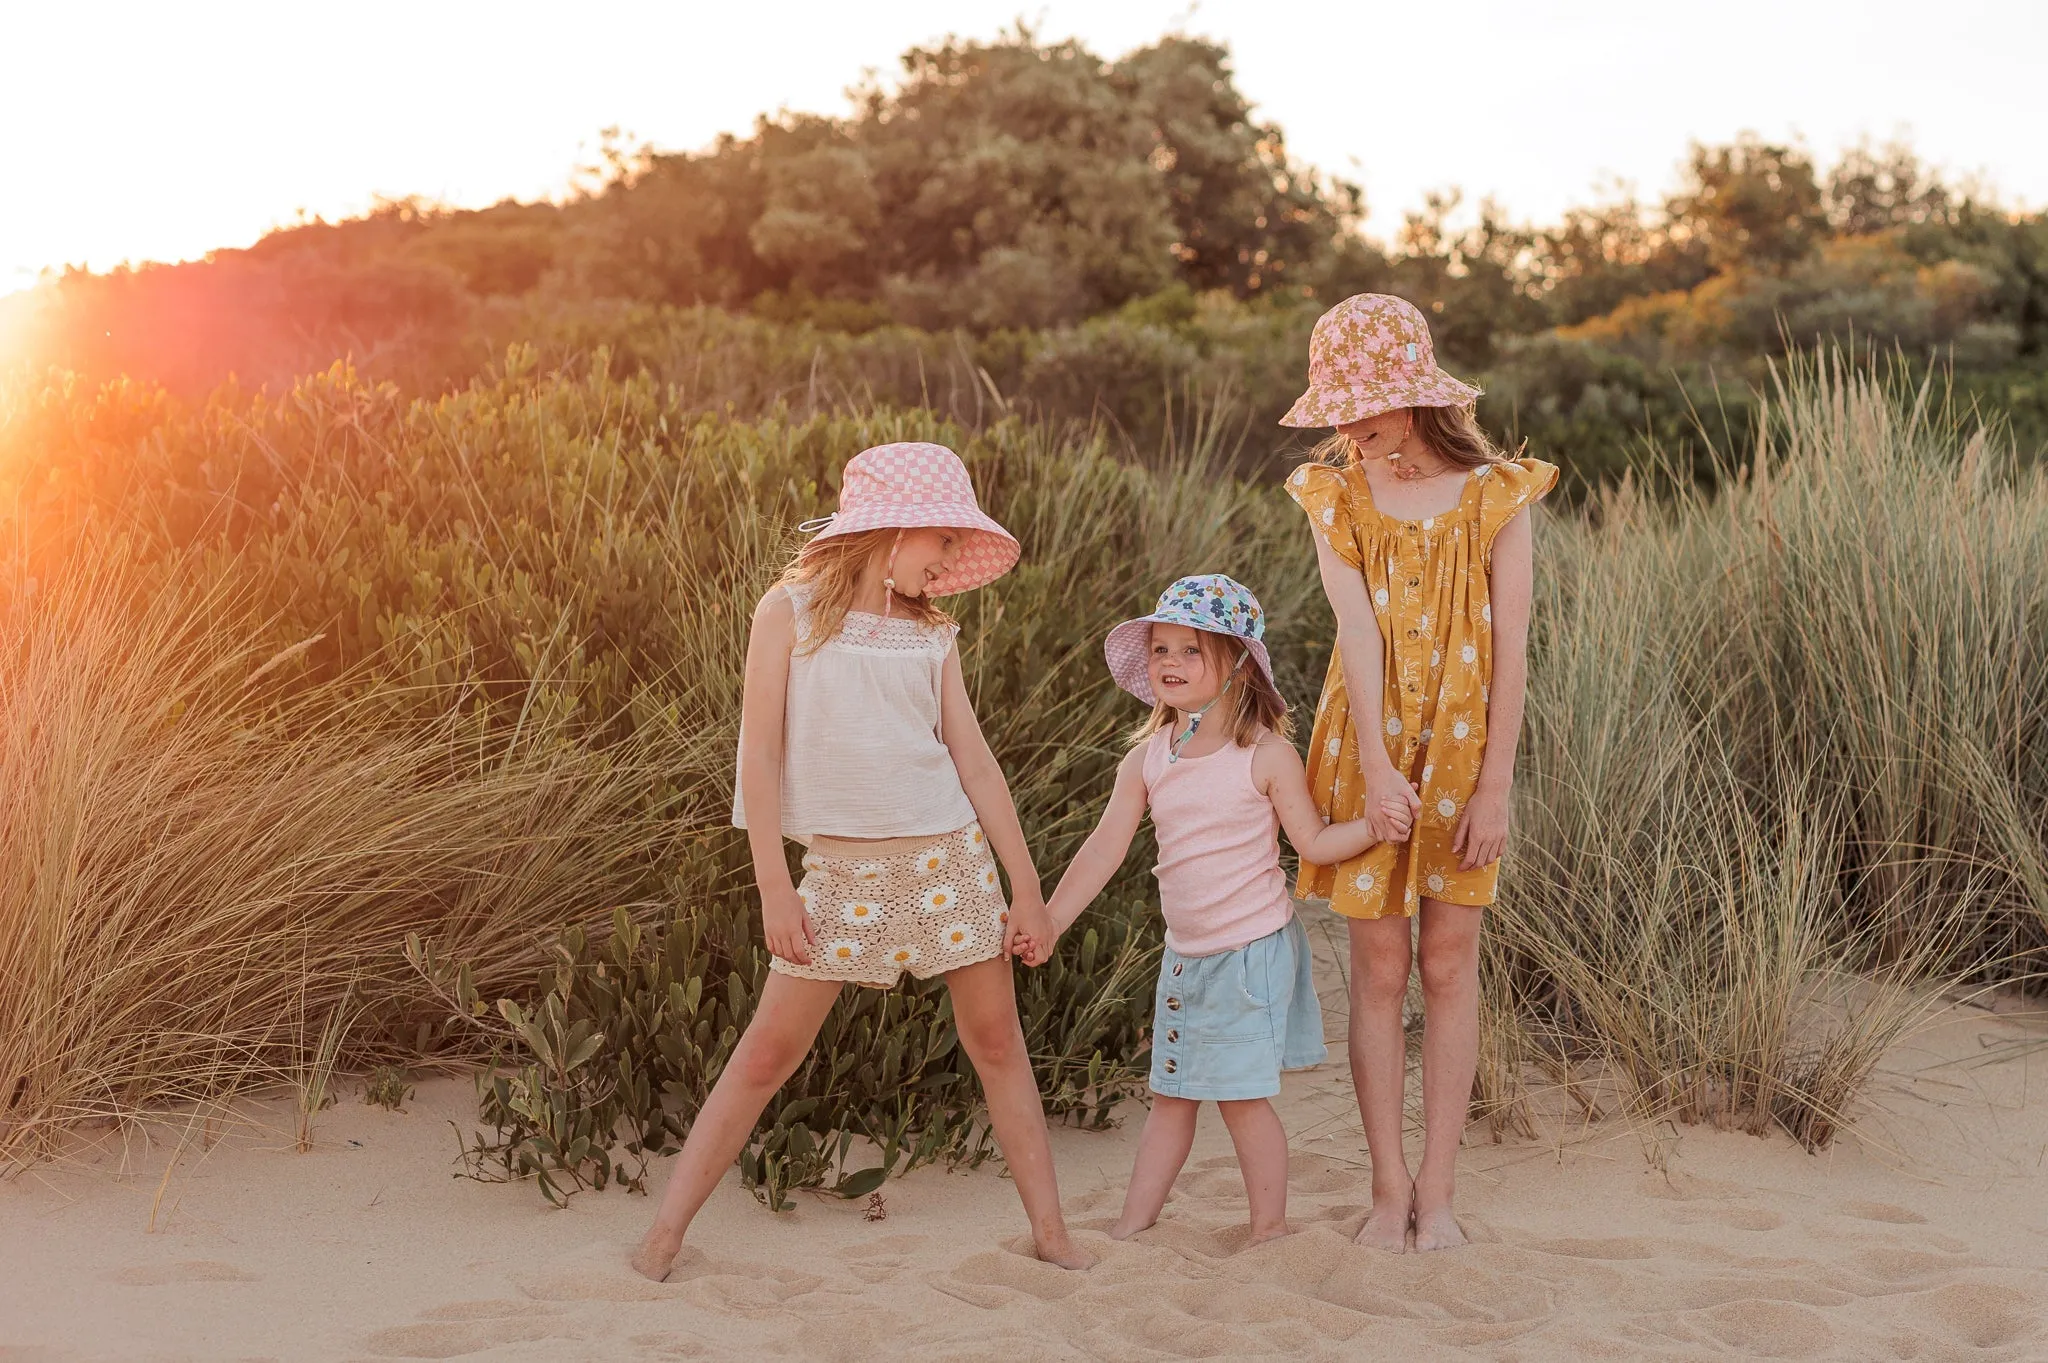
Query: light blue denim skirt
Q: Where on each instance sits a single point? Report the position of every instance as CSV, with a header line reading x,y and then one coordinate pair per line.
x,y
1224,1026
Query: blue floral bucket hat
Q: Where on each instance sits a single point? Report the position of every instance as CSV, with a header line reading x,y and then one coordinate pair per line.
x,y
1208,601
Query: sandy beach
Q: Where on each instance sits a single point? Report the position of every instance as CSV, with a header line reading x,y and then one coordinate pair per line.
x,y
1922,1235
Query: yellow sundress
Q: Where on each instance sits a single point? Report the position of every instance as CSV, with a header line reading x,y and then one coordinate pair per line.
x,y
1429,584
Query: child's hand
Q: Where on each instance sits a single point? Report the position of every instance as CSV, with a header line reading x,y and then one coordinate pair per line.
x,y
1029,927
786,925
1399,817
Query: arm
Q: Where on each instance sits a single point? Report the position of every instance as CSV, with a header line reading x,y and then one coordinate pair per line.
x,y
1482,832
769,642
1277,769
1360,648
982,778
1104,852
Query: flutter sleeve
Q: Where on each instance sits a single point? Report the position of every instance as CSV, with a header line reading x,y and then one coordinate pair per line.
x,y
1510,486
1321,492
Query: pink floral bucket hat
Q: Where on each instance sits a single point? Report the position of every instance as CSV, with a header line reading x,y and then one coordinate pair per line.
x,y
913,484
1208,601
1372,354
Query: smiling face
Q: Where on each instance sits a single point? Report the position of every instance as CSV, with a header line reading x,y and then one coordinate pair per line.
x,y
922,557
1183,673
1378,436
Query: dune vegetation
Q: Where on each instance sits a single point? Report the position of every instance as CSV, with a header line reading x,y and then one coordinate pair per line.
x,y
346,729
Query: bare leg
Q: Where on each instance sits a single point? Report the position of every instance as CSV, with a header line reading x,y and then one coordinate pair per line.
x,y
1162,1150
985,1010
1380,962
777,1038
1450,1058
1262,1155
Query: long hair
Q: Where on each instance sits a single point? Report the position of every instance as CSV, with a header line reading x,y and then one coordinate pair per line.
x,y
1452,433
832,568
1252,703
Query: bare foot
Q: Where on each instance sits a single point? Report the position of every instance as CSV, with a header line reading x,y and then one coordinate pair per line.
x,y
1437,1229
1260,1237
1124,1230
1386,1226
656,1256
1064,1253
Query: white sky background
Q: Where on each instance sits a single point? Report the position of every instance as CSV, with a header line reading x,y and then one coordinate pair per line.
x,y
133,131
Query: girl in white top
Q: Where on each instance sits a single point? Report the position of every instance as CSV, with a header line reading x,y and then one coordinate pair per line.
x,y
857,738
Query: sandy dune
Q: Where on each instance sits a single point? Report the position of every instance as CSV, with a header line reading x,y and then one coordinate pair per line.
x,y
1922,1237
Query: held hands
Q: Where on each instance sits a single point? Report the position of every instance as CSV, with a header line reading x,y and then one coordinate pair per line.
x,y
1032,943
1482,832
1030,934
1385,788
786,925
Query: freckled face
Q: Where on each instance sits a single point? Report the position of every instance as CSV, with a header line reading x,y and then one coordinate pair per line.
x,y
1179,671
1378,436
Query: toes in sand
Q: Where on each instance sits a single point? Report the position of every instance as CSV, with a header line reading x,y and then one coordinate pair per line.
x,y
1437,1229
1386,1226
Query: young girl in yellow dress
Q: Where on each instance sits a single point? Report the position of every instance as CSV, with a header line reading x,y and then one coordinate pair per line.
x,y
1427,566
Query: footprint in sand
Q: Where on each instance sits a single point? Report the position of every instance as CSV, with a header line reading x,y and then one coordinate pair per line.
x,y
877,1261
186,1271
669,1344
1735,1217
461,1328
1980,1315
1882,1211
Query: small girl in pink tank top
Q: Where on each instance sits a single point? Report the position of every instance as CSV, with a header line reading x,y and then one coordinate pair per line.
x,y
1235,1003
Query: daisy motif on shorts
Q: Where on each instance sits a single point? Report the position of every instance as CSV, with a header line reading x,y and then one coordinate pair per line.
x,y
845,949
939,898
860,911
813,862
989,882
903,956
1002,920
957,937
803,892
931,859
867,870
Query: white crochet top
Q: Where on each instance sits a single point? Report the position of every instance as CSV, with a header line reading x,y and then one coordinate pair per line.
x,y
862,755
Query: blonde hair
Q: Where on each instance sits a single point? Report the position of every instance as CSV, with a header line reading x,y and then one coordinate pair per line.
x,y
1251,704
833,568
1452,433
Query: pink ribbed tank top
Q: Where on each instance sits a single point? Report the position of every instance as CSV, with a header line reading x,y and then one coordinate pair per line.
x,y
1220,883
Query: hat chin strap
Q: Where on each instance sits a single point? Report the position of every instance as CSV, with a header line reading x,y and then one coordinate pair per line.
x,y
1195,717
889,578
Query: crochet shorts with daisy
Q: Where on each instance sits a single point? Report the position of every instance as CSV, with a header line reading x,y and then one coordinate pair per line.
x,y
927,911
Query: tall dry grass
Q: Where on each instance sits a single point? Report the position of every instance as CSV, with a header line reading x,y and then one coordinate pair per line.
x,y
204,877
1783,770
300,676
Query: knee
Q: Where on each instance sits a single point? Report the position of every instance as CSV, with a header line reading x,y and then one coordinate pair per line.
x,y
1448,973
992,1044
1378,985
764,1063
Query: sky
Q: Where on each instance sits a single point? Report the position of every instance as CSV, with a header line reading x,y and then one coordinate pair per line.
x,y
132,132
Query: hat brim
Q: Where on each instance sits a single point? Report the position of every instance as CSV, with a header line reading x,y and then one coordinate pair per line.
x,y
1126,647
988,552
1342,406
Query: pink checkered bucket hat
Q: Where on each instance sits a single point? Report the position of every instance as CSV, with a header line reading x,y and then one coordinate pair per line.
x,y
911,484
1372,354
